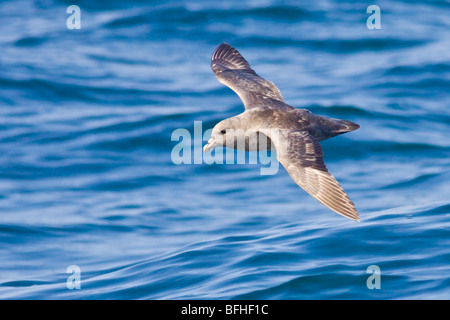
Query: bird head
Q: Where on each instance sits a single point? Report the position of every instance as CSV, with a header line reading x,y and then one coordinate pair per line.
x,y
218,135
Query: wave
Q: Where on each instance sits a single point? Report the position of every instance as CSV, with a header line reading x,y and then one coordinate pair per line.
x,y
186,14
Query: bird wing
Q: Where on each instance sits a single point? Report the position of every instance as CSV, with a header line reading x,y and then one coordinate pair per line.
x,y
234,71
302,156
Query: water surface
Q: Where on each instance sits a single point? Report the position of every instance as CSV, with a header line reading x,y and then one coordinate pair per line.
x,y
87,179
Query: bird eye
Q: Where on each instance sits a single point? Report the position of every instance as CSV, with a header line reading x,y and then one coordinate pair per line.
x,y
223,131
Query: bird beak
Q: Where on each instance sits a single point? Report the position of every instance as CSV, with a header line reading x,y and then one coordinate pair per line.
x,y
210,145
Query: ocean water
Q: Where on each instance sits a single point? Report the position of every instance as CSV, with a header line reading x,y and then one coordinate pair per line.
x,y
87,177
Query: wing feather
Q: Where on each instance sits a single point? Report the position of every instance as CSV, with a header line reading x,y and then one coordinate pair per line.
x,y
302,156
235,72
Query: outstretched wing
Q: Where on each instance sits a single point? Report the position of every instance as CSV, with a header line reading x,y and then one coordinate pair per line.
x,y
301,155
233,70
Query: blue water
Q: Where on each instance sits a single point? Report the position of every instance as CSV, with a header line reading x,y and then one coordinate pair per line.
x,y
87,178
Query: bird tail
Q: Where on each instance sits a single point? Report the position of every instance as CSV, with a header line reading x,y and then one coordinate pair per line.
x,y
330,127
343,126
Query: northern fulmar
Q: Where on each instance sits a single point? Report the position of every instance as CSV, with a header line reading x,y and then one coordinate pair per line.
x,y
295,133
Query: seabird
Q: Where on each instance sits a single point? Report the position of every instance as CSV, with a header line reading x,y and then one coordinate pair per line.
x,y
295,133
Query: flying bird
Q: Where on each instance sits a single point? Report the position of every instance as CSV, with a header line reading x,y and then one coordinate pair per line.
x,y
295,133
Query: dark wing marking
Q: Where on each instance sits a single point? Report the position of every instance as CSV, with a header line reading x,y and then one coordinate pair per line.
x,y
301,155
233,70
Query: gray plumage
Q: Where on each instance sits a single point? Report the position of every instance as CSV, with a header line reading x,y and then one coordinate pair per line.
x,y
295,133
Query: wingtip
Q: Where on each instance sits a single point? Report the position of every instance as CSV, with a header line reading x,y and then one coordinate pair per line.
x,y
355,217
227,57
221,50
346,209
352,216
